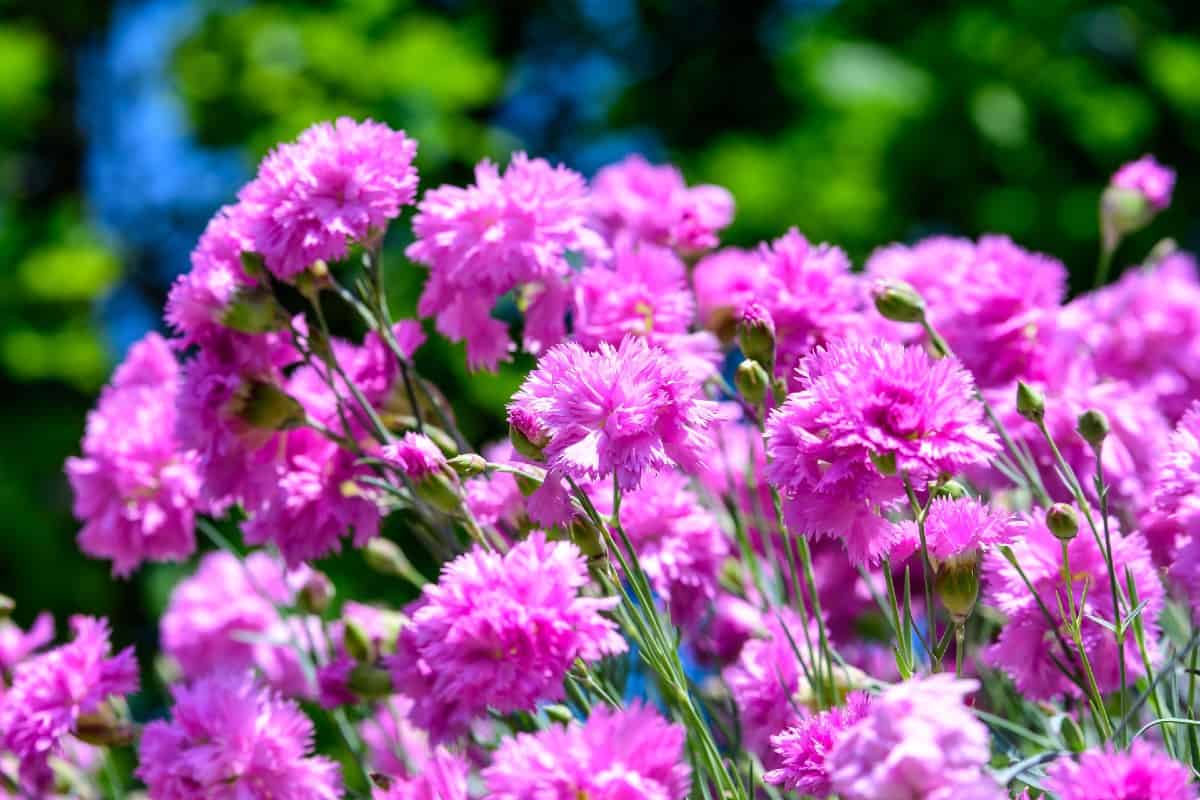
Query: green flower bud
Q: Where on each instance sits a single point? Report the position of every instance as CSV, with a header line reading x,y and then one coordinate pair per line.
x,y
370,682
1123,211
1093,426
585,536
1031,404
385,557
752,381
357,642
898,301
526,446
1072,735
957,585
255,266
440,492
951,490
264,405
1164,247
559,713
468,465
7,604
1062,521
254,309
756,336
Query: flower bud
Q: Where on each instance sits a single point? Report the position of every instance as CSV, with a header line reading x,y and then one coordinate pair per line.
x,y
1062,521
898,301
559,713
957,585
266,406
752,381
316,594
102,729
468,465
370,682
1123,211
440,491
885,463
1072,735
254,265
254,309
756,335
357,642
1031,404
526,436
7,604
1093,426
385,557
585,536
950,490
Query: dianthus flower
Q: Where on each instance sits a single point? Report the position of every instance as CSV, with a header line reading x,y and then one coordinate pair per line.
x,y
500,631
620,411
224,619
231,739
863,407
615,754
1177,500
17,645
338,183
958,529
443,776
645,293
804,747
1140,773
495,497
637,201
136,488
1144,329
415,455
724,282
994,302
1147,177
52,691
1028,649
504,232
917,740
395,746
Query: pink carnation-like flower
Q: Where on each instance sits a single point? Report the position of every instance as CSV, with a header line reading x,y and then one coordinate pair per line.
x,y
1140,772
645,293
1028,648
443,776
1144,329
636,201
993,302
1177,501
17,645
502,233
136,488
724,281
804,747
500,631
338,183
917,740
860,404
224,619
415,455
615,755
231,739
495,498
1148,178
622,411
958,528
50,692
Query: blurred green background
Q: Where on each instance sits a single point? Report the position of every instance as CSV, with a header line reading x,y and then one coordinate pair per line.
x,y
127,124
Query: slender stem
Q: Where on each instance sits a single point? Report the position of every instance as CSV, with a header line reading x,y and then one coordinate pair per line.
x,y
960,649
926,571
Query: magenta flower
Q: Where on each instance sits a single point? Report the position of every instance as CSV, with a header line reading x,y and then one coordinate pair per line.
x,y
622,411
993,302
1027,647
500,631
495,498
231,739
395,746
956,529
443,776
1148,178
861,405
918,739
136,487
1177,485
415,455
17,645
200,299
614,755
724,282
502,233
51,691
636,201
338,183
1140,772
804,747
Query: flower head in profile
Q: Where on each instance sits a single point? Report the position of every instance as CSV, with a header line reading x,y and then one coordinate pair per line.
x,y
415,455
1148,178
803,748
136,487
338,183
917,739
616,754
499,631
1141,773
51,692
510,230
958,528
231,739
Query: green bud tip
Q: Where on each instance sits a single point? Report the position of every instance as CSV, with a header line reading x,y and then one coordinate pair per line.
x,y
1093,426
885,463
559,713
1123,211
265,406
468,465
752,381
385,557
523,444
1031,404
898,301
1072,735
1062,521
951,490
357,642
370,682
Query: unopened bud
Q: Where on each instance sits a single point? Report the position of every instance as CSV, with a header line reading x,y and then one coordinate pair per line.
x,y
7,604
957,585
254,265
103,729
1093,426
316,594
370,682
1123,211
385,557
752,381
254,309
468,465
1062,521
526,446
885,463
585,536
1072,735
357,641
559,713
266,406
1030,403
898,301
756,335
440,491
1165,248
950,490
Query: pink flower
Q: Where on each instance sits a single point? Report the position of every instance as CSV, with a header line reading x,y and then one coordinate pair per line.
x,y
231,739
17,645
636,201
724,282
504,232
859,405
614,755
992,301
1140,772
804,747
495,498
338,183
224,619
443,776
500,631
1177,484
136,487
917,740
1148,178
395,746
956,529
415,455
50,692
1027,648
622,411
